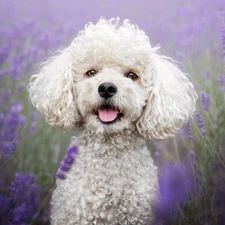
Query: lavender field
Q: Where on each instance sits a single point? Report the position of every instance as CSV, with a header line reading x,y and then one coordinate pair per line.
x,y
191,165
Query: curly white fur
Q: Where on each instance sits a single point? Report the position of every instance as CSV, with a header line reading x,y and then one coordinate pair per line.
x,y
113,179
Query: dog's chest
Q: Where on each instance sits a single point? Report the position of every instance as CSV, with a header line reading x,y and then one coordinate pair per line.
x,y
107,185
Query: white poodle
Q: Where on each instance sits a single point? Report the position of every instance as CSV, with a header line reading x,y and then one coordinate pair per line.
x,y
118,90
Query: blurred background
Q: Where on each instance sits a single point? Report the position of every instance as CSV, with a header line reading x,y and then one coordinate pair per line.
x,y
191,165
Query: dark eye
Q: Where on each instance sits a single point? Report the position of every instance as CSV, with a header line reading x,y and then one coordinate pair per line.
x,y
90,73
132,76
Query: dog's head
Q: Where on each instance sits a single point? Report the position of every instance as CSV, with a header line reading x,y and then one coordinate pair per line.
x,y
110,79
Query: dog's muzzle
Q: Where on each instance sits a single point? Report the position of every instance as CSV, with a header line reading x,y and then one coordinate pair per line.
x,y
107,112
107,90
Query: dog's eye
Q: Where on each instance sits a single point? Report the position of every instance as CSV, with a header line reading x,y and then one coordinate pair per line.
x,y
90,73
132,76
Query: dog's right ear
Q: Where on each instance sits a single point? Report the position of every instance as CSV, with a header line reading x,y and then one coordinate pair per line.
x,y
171,101
52,91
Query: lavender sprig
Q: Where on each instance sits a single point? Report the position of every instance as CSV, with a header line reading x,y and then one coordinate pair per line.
x,y
67,162
206,100
201,123
189,130
192,156
221,80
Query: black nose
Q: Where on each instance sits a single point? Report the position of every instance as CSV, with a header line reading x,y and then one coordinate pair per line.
x,y
107,89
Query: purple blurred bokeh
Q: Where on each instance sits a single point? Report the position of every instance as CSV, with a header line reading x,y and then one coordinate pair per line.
x,y
31,30
187,24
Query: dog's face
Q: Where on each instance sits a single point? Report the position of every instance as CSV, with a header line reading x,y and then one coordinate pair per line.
x,y
111,98
110,79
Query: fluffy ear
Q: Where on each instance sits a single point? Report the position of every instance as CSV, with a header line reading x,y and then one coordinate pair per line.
x,y
171,101
52,91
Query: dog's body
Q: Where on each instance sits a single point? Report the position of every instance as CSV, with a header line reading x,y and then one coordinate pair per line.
x,y
113,85
112,181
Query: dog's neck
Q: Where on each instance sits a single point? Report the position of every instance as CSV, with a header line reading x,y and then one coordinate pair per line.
x,y
126,139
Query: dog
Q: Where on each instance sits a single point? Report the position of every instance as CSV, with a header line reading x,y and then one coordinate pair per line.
x,y
118,90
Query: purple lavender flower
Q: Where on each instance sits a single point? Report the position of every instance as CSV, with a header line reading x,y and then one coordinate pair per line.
x,y
223,32
200,120
71,153
201,123
4,54
189,130
205,100
182,134
192,157
8,147
176,180
7,94
1,121
16,68
34,119
60,175
6,209
10,122
218,184
67,162
21,204
221,80
26,198
3,72
156,157
206,76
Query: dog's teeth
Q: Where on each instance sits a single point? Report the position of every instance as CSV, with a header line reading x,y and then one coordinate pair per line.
x,y
119,110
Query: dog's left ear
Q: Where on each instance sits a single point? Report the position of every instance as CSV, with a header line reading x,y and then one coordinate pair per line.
x,y
52,91
171,99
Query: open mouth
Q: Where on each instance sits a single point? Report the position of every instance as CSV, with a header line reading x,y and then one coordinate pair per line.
x,y
108,114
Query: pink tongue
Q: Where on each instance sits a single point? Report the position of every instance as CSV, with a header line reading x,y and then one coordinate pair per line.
x,y
107,115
